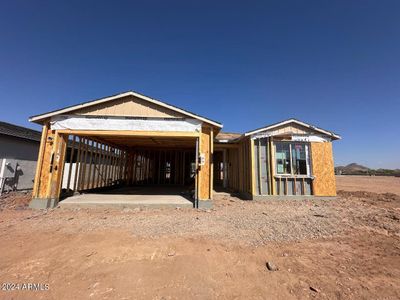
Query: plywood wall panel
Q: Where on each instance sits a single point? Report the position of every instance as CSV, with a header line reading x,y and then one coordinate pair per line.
x,y
324,183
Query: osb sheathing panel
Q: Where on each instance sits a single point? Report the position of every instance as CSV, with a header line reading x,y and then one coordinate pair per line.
x,y
129,106
205,170
324,183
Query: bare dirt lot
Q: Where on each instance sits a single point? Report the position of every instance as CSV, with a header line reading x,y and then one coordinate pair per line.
x,y
348,248
375,184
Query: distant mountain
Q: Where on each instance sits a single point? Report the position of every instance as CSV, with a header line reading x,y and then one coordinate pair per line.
x,y
352,168
356,169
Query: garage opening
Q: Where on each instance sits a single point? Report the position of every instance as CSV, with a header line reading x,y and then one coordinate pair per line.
x,y
128,171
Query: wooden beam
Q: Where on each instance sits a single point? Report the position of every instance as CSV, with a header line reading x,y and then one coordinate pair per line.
x,y
83,181
211,162
57,166
259,162
94,158
272,165
183,167
71,158
252,168
204,171
109,165
39,164
89,181
78,165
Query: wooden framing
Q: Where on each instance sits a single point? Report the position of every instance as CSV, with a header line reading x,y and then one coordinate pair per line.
x,y
42,176
77,165
244,171
98,165
39,165
71,160
252,168
271,156
60,147
104,158
205,184
211,182
101,158
149,166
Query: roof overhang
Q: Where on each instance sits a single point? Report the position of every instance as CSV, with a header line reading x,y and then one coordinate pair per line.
x,y
273,126
40,118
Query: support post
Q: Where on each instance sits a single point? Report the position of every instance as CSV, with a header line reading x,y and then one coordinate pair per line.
x,y
252,169
204,184
50,171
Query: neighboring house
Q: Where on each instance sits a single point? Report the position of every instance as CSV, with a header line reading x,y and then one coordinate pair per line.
x,y
19,147
133,140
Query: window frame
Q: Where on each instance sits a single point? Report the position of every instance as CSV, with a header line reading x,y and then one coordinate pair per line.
x,y
290,159
307,154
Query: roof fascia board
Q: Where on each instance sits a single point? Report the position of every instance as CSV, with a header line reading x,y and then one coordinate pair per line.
x,y
107,99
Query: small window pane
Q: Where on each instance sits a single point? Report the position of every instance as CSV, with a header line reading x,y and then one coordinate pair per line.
x,y
282,156
299,163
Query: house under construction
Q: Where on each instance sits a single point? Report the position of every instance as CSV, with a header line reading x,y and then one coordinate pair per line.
x,y
130,144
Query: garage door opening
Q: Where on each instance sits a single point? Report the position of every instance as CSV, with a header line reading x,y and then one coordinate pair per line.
x,y
129,171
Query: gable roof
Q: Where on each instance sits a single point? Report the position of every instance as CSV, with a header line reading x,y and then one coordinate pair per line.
x,y
295,121
19,132
41,117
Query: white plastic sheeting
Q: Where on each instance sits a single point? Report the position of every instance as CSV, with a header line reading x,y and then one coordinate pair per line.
x,y
310,138
296,138
123,123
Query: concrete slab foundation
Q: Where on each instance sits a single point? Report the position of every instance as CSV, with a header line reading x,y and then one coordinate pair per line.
x,y
152,197
109,200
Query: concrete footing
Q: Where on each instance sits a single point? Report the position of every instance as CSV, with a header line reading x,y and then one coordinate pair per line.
x,y
204,204
43,203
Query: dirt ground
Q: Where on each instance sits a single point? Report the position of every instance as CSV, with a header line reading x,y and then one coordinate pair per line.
x,y
347,248
375,184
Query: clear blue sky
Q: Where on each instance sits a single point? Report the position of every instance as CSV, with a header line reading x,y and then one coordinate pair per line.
x,y
335,64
